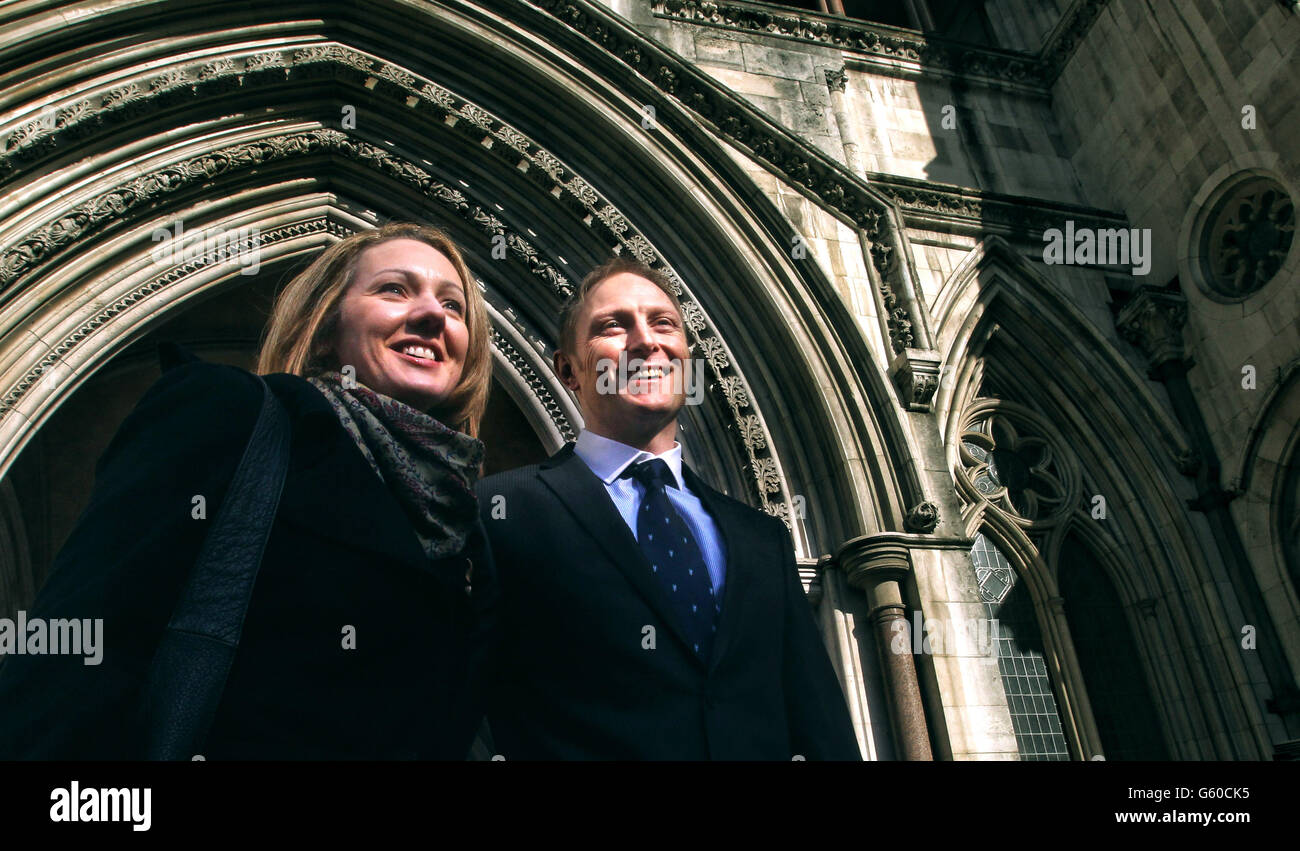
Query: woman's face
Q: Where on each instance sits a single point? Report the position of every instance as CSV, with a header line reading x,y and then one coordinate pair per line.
x,y
402,323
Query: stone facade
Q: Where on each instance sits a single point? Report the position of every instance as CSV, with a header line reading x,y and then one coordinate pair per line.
x,y
959,427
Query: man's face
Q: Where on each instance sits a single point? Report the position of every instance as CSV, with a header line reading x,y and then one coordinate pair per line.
x,y
627,316
405,293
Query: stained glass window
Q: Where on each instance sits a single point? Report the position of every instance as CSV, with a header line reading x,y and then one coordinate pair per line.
x,y
1034,715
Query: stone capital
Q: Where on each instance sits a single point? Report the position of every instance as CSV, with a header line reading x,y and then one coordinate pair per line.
x,y
1153,321
877,564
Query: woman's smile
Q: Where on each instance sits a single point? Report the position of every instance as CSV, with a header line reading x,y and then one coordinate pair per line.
x,y
403,323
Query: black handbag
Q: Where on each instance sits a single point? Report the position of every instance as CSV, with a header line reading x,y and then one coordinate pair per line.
x,y
192,662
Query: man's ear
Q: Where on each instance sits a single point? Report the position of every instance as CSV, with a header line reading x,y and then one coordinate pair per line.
x,y
564,370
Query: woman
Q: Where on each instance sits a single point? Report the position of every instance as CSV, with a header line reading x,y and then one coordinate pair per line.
x,y
368,616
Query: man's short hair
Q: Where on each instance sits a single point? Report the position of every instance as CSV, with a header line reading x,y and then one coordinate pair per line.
x,y
614,266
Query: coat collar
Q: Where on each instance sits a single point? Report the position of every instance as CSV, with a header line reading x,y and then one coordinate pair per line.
x,y
332,490
584,495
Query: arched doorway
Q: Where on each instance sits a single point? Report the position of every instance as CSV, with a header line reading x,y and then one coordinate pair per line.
x,y
536,157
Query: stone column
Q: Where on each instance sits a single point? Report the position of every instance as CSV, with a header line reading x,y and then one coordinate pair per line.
x,y
878,564
836,82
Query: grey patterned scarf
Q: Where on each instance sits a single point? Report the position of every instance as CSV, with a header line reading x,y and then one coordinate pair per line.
x,y
429,467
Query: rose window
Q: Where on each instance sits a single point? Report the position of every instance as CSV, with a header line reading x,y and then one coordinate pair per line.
x,y
1248,237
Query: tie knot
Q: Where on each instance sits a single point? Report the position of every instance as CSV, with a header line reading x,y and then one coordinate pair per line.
x,y
652,474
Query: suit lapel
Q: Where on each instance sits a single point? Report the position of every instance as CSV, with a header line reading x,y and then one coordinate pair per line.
x,y
742,553
331,489
584,495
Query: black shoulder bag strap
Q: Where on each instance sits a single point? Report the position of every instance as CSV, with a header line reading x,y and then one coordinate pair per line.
x,y
193,659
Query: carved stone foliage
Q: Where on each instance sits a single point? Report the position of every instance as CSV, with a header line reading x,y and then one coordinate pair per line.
x,y
893,44
1013,461
161,282
1065,39
898,321
89,217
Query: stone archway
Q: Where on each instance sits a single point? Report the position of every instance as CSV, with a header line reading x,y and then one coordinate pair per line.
x,y
745,298
308,129
1001,322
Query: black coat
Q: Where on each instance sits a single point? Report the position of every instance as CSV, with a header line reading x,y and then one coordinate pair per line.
x,y
578,680
341,553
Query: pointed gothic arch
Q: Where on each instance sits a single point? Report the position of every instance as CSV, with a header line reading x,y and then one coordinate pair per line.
x,y
234,121
1266,473
1006,331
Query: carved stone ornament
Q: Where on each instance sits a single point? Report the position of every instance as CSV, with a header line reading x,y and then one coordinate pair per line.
x,y
898,321
894,45
916,378
929,206
922,518
1065,39
1153,321
862,37
119,107
536,384
1188,462
1245,240
836,79
1012,460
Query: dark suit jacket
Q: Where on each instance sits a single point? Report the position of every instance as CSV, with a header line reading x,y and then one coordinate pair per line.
x,y
341,553
578,679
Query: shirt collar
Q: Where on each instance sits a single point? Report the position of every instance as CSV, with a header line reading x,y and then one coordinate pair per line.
x,y
608,458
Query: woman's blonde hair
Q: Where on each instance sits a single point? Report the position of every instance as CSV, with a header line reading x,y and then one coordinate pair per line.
x,y
304,321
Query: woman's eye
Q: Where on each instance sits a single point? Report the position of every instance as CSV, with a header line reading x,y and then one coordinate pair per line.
x,y
453,305
392,286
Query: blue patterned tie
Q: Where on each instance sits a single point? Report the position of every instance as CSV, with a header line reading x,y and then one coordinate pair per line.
x,y
674,555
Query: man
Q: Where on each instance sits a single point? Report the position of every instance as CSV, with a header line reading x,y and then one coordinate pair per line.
x,y
644,614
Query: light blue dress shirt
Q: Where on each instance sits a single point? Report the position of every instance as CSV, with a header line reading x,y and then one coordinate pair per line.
x,y
609,458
